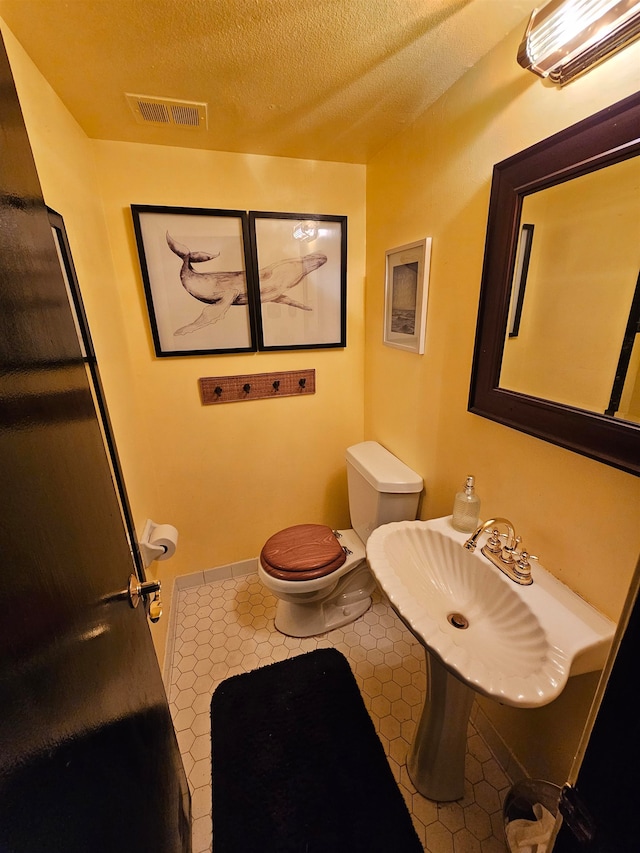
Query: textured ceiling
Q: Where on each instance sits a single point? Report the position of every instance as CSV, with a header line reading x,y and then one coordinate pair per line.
x,y
330,80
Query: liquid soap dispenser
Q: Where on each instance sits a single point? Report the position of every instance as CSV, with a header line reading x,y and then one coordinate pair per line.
x,y
466,508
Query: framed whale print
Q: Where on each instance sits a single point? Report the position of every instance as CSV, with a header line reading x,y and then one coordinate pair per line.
x,y
300,261
198,280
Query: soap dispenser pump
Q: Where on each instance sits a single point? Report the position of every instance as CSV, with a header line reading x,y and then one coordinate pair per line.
x,y
466,508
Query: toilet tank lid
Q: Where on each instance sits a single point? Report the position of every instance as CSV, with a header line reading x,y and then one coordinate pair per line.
x,y
382,469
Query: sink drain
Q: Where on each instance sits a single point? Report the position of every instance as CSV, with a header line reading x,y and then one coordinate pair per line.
x,y
458,620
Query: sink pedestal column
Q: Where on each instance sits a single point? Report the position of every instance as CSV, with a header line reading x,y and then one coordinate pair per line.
x,y
436,757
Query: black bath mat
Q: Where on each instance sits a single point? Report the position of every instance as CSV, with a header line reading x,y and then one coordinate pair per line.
x,y
298,766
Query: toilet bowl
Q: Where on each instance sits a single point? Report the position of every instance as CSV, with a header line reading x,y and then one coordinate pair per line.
x,y
316,596
320,576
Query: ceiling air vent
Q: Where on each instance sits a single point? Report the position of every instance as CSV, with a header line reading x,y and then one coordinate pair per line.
x,y
166,112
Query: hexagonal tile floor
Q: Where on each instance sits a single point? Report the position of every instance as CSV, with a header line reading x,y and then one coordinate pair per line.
x,y
226,627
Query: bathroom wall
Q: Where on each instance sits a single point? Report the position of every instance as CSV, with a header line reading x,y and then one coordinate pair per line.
x,y
581,517
228,476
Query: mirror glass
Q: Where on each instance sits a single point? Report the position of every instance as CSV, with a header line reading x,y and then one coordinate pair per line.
x,y
557,350
577,266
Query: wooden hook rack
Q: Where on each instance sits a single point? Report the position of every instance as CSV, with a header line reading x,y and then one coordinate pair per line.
x,y
256,386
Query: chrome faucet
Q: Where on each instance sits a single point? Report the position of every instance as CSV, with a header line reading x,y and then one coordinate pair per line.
x,y
509,556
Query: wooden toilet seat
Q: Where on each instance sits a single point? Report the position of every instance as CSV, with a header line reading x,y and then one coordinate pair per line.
x,y
302,552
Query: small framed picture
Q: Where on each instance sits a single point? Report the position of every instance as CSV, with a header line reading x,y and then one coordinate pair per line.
x,y
301,263
197,279
406,291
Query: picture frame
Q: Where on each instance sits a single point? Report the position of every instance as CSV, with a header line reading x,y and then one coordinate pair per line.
x,y
523,256
406,295
198,279
300,264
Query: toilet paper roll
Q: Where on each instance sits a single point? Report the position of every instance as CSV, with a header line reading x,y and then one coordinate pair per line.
x,y
164,536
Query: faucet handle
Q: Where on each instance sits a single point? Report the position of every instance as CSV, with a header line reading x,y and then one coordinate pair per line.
x,y
493,542
522,568
525,556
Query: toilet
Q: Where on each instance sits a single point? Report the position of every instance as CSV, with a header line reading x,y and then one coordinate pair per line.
x,y
320,576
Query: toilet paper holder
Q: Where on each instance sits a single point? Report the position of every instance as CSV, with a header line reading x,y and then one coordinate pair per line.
x,y
157,542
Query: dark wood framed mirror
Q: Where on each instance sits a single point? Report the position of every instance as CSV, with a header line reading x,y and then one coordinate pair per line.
x,y
606,139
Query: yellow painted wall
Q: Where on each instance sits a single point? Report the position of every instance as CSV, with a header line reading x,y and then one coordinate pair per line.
x,y
226,477
231,475
581,517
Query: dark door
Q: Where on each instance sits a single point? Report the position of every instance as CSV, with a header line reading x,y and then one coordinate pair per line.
x,y
88,755
607,785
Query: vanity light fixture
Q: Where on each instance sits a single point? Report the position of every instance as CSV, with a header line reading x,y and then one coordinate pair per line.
x,y
565,38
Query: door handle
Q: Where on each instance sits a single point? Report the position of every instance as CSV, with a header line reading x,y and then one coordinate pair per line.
x,y
138,590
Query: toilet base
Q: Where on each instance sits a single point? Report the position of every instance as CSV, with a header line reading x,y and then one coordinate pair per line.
x,y
297,620
343,604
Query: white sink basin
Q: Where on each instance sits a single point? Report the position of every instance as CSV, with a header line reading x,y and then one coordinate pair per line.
x,y
517,644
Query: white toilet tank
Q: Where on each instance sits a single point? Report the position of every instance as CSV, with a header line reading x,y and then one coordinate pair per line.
x,y
381,488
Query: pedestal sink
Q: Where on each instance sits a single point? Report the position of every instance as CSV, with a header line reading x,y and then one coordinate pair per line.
x,y
481,632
